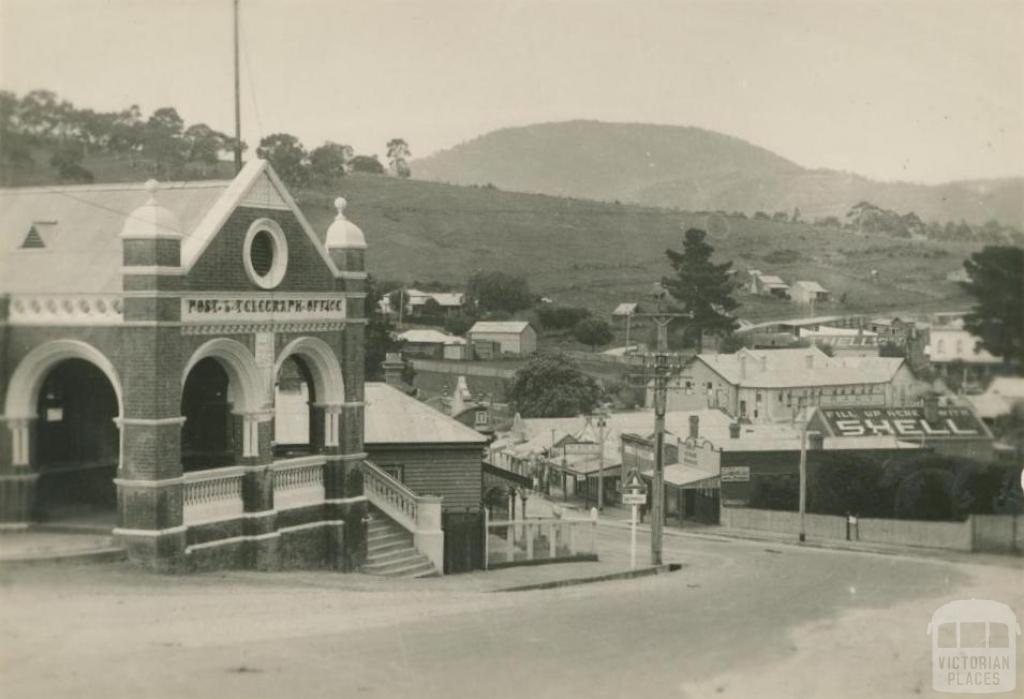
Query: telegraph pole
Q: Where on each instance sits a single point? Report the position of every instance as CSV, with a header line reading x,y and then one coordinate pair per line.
x,y
803,483
238,99
662,318
601,422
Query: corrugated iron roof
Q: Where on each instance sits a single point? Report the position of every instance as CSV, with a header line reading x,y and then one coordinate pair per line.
x,y
811,286
499,326
392,417
428,336
782,368
83,251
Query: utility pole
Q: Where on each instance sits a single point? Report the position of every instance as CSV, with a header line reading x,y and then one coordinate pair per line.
x,y
601,422
803,482
238,100
662,318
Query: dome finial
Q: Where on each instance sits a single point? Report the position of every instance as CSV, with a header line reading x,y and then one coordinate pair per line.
x,y
151,220
342,233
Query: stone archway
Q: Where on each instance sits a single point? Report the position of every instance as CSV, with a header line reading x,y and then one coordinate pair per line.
x,y
221,382
62,407
318,362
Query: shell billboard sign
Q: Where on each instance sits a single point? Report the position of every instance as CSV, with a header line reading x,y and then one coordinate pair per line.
x,y
907,423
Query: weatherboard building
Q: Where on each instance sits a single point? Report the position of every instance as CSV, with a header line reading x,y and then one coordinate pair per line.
x,y
145,334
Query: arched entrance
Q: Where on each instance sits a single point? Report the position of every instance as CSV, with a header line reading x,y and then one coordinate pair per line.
x,y
308,393
77,444
294,394
221,386
207,435
62,406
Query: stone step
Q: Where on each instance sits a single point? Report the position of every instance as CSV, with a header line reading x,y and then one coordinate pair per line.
x,y
389,537
376,525
377,547
393,556
383,531
390,550
411,568
421,569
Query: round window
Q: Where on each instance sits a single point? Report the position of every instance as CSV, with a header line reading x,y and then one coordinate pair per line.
x,y
261,254
266,253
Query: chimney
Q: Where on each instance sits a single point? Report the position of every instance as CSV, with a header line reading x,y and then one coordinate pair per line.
x,y
694,426
931,408
815,440
393,368
810,361
734,430
743,366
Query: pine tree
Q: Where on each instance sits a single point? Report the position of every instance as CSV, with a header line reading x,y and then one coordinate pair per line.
x,y
997,284
704,288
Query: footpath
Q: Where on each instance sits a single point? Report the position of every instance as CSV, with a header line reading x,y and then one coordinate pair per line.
x,y
617,517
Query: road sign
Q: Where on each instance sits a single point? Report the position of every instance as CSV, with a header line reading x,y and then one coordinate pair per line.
x,y
634,482
634,498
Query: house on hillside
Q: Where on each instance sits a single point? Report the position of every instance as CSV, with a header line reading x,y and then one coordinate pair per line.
x,y
779,385
509,337
808,293
450,303
426,343
767,285
954,352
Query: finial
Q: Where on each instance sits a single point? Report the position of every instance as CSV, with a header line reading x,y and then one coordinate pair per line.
x,y
340,204
151,187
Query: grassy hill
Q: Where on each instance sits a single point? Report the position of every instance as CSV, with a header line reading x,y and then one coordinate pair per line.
x,y
697,170
600,254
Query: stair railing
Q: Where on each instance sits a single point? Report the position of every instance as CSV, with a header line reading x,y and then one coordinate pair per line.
x,y
418,514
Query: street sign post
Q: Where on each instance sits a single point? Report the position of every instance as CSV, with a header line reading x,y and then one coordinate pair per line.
x,y
633,493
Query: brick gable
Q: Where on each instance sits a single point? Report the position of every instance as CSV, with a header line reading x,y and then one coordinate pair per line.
x,y
221,268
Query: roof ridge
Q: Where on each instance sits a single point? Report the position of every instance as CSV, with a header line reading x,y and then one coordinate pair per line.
x,y
113,186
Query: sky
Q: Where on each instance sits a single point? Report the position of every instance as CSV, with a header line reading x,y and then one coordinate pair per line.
x,y
919,90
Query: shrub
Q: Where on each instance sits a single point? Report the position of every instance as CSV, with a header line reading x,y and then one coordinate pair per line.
x,y
553,317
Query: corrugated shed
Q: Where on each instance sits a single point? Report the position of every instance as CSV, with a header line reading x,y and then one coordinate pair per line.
x,y
427,336
810,286
499,326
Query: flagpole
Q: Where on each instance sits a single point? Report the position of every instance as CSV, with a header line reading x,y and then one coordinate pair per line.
x,y
238,100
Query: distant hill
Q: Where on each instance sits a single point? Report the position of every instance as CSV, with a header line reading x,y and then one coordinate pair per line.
x,y
597,254
697,170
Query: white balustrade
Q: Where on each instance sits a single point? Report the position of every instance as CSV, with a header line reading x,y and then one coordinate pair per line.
x,y
298,482
212,495
419,514
391,496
